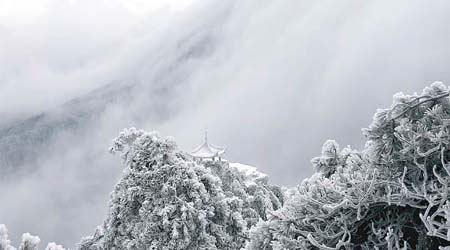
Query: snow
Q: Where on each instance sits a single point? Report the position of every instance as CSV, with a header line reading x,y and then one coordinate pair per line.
x,y
27,237
4,242
250,172
207,150
29,242
54,246
180,204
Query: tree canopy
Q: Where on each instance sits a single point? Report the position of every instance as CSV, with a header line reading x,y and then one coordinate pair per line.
x,y
393,194
166,201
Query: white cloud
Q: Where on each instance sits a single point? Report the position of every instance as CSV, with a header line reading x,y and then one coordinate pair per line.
x,y
55,50
143,7
13,12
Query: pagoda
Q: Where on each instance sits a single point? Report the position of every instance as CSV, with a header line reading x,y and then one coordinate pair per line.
x,y
207,151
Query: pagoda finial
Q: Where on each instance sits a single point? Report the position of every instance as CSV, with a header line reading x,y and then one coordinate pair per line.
x,y
206,136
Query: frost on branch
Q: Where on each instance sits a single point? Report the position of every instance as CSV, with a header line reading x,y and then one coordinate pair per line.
x,y
54,246
29,242
166,201
5,243
394,194
326,164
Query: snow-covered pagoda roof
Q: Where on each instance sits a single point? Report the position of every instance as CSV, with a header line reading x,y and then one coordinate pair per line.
x,y
207,150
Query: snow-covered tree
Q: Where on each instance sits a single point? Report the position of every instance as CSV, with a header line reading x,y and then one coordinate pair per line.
x,y
5,243
166,201
330,158
394,194
29,242
54,246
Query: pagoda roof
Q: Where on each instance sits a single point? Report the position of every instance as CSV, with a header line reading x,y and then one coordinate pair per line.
x,y
207,150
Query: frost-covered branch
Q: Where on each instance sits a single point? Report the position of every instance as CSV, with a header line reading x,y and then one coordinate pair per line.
x,y
394,194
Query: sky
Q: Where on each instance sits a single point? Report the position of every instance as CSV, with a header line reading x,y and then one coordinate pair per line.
x,y
269,80
54,50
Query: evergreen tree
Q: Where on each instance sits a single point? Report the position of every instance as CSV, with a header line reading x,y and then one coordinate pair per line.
x,y
5,243
29,242
392,195
166,201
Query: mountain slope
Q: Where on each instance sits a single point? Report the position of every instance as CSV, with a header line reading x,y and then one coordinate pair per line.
x,y
143,95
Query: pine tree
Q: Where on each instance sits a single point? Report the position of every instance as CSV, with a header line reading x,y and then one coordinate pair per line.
x,y
166,201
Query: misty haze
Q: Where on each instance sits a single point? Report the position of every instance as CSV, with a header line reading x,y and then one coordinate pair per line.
x,y
209,124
